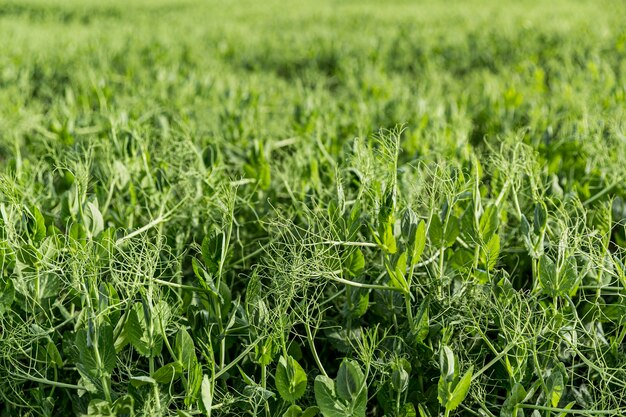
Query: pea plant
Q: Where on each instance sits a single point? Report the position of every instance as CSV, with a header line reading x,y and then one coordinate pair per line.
x,y
321,209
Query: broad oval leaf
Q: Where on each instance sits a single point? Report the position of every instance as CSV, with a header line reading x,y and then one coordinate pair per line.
x,y
290,379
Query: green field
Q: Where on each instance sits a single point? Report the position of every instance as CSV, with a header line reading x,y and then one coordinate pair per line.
x,y
312,208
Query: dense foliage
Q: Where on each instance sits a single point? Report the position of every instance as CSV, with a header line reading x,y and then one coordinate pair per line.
x,y
312,208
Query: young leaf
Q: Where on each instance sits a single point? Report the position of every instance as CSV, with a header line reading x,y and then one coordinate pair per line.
x,y
185,349
387,238
419,243
296,411
212,252
409,225
205,279
7,295
124,405
397,273
540,217
421,328
350,380
460,391
207,399
548,276
488,224
264,352
94,220
492,251
135,330
509,407
569,278
39,225
193,384
290,379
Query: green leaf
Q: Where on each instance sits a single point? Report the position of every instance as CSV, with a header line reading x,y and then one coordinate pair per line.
x,y
39,225
138,335
399,380
548,276
555,387
350,380
326,398
97,357
435,230
212,252
540,217
138,381
193,384
134,329
419,243
569,278
205,279
290,379
423,411
492,252
488,224
99,408
397,273
387,238
447,365
94,221
569,406
558,283
460,390
53,354
167,373
452,231
124,405
7,295
407,410
509,407
293,411
185,349
207,399
409,225
357,302
421,328
265,352
310,412
354,263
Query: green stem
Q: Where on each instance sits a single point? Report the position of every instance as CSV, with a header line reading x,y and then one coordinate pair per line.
x,y
310,339
362,285
409,311
264,386
615,412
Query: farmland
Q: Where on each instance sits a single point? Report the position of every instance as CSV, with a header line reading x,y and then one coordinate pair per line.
x,y
298,209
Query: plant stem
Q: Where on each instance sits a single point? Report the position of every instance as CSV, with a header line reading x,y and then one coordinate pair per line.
x,y
310,339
